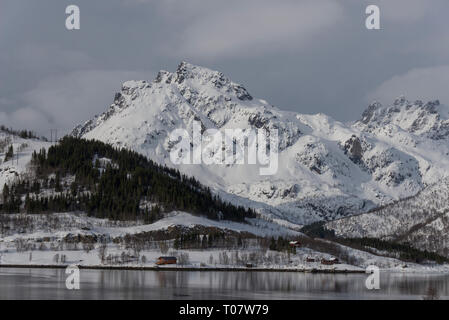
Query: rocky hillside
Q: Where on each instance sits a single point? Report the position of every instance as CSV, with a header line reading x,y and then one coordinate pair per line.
x,y
421,221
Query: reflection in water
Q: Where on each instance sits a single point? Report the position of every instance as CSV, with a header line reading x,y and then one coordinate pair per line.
x,y
122,284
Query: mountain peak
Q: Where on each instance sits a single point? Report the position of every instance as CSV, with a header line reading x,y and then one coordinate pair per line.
x,y
185,66
430,118
187,70
400,101
368,114
192,75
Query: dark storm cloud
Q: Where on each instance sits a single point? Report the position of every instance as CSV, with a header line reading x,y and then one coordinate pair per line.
x,y
309,56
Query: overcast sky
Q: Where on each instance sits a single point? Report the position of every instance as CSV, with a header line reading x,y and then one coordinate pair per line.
x,y
308,56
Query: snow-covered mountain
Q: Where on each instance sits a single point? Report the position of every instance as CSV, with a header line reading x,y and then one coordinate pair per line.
x,y
327,169
421,221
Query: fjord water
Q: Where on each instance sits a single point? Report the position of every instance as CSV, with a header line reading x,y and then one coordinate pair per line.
x,y
32,283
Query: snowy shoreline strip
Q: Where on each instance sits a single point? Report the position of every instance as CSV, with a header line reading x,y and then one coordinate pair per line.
x,y
136,268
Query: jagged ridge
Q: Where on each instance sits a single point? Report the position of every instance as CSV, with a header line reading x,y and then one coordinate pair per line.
x,y
327,169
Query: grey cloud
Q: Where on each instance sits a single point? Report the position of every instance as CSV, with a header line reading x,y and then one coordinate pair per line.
x,y
307,56
422,83
62,101
253,28
40,58
409,11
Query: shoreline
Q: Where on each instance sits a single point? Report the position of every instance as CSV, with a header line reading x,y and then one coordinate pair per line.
x,y
208,269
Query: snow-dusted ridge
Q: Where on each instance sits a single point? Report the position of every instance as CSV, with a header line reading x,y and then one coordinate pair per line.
x,y
421,221
327,169
18,165
80,223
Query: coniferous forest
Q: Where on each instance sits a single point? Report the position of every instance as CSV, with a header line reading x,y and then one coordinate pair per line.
x,y
119,189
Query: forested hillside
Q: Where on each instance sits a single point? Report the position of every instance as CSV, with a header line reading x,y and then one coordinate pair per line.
x,y
422,221
91,176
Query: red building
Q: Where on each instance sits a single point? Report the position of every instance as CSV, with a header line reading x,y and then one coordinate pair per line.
x,y
166,260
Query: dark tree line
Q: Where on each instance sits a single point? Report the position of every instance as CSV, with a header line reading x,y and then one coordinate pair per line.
x,y
24,134
404,250
281,244
115,190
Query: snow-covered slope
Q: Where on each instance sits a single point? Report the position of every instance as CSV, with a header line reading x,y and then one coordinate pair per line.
x,y
421,220
59,225
327,169
18,165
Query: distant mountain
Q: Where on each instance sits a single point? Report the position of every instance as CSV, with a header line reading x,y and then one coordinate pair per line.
x,y
421,221
327,169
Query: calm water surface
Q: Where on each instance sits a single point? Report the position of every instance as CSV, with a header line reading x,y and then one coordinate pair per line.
x,y
123,284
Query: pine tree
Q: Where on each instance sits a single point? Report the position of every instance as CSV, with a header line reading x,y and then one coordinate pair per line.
x,y
9,154
58,182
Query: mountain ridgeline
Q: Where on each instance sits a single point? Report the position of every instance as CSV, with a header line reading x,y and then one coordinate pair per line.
x,y
328,169
105,182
